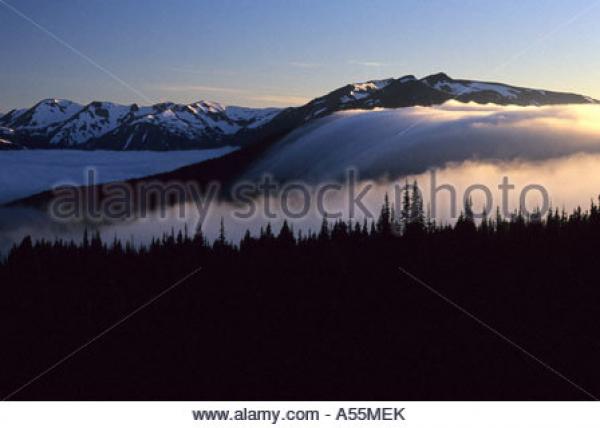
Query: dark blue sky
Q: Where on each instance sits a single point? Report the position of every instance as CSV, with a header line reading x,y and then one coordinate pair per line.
x,y
276,52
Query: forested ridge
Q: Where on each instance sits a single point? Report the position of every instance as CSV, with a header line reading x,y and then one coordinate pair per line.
x,y
312,315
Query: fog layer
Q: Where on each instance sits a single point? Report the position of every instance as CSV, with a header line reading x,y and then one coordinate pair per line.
x,y
25,172
569,182
397,142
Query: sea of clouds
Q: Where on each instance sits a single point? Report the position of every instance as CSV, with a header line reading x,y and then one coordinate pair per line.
x,y
26,172
399,142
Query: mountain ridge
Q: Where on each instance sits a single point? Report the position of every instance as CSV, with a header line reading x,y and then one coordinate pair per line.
x,y
57,123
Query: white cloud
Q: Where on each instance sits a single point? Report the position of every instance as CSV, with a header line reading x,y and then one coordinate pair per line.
x,y
376,143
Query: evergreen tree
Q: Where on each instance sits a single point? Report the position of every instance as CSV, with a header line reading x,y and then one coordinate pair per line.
x,y
417,217
86,242
384,225
324,232
246,241
286,236
406,208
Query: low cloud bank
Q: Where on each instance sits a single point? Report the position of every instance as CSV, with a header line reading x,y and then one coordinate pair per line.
x,y
396,142
25,172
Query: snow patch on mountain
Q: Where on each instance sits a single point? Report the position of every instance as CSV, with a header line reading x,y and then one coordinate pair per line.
x,y
363,90
53,111
94,120
42,117
254,117
459,88
9,145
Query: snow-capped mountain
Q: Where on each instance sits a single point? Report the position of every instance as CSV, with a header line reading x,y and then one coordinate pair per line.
x,y
407,91
102,125
498,93
43,117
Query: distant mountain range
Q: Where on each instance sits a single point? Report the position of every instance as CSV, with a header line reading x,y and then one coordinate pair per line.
x,y
54,123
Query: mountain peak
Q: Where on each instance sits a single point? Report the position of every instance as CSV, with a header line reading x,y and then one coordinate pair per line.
x,y
55,101
407,78
208,106
436,78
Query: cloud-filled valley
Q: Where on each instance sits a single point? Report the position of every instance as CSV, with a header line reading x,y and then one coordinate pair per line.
x,y
397,142
465,143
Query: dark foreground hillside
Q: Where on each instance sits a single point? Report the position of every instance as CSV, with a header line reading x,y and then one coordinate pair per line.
x,y
325,316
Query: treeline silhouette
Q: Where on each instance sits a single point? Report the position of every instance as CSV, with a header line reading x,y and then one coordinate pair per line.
x,y
312,315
